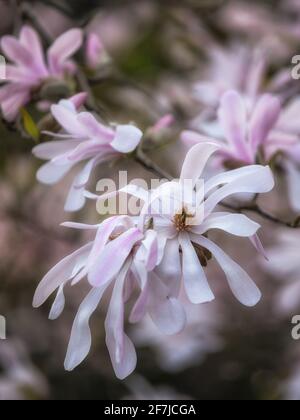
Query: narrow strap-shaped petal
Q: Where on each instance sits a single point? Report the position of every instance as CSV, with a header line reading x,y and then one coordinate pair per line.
x,y
81,340
31,41
120,347
60,274
170,270
52,149
242,286
66,116
148,251
235,224
166,312
230,176
113,257
263,120
58,305
196,160
261,181
63,48
233,118
195,281
51,174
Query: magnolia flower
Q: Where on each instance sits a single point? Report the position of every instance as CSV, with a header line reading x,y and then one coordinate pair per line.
x,y
182,229
234,68
267,132
30,69
124,256
85,140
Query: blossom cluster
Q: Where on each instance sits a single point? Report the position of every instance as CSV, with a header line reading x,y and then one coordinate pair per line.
x,y
147,262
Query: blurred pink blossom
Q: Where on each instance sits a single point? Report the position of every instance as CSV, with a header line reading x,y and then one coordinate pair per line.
x,y
30,69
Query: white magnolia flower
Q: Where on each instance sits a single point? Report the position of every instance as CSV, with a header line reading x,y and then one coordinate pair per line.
x,y
183,231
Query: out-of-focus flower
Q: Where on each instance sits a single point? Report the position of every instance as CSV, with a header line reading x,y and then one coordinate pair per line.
x,y
261,135
141,389
124,256
19,378
284,265
84,140
95,51
236,67
182,226
30,70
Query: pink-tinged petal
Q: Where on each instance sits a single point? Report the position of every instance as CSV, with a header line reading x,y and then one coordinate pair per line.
x,y
16,52
79,100
21,75
263,120
60,274
139,310
148,251
242,286
195,281
84,175
230,176
127,138
86,150
75,200
58,305
94,129
196,160
170,268
31,41
163,123
113,257
105,231
120,347
233,118
260,181
166,312
51,150
94,51
293,178
13,101
51,174
63,48
67,118
81,339
235,224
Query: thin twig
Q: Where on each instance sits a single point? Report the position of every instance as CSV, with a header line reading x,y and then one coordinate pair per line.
x,y
142,159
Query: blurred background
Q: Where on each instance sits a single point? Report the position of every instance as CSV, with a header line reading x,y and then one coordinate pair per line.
x,y
156,52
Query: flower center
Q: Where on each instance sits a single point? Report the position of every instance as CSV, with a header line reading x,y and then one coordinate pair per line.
x,y
180,220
